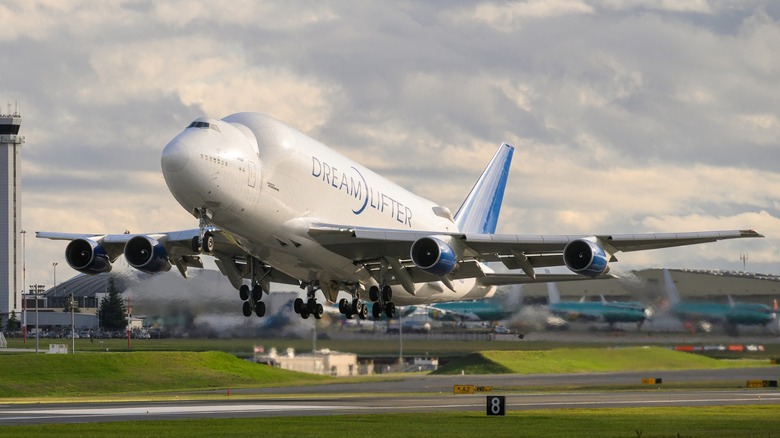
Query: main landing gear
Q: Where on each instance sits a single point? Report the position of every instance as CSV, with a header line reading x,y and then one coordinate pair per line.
x,y
310,306
382,304
251,298
356,307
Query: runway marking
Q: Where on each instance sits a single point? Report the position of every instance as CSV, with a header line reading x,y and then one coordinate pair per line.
x,y
25,414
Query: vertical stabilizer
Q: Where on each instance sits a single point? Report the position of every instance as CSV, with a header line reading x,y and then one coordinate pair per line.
x,y
671,289
553,295
479,212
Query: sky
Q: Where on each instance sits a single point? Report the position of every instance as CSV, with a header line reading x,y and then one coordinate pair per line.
x,y
627,116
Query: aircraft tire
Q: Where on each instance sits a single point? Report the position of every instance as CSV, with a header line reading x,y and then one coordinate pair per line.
x,y
259,309
318,310
243,292
373,293
363,311
376,310
208,243
257,292
305,314
247,309
298,305
343,306
387,293
390,310
356,306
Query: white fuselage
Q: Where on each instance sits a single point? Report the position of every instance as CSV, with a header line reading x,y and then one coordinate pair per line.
x,y
264,183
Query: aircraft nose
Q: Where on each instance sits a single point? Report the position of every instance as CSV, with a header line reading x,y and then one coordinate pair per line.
x,y
175,156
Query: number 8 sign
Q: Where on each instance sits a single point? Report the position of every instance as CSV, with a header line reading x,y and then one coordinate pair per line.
x,y
496,405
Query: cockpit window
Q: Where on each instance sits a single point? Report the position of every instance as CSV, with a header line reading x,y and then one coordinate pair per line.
x,y
204,125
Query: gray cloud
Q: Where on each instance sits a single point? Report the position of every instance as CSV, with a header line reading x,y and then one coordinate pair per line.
x,y
627,116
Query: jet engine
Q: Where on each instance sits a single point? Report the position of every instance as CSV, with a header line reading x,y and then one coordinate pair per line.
x,y
433,255
147,254
585,258
87,257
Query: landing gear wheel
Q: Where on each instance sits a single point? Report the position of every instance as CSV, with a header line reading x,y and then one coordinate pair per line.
x,y
387,293
344,306
298,306
376,310
208,243
363,311
259,308
373,293
390,310
305,314
243,292
247,309
257,293
318,310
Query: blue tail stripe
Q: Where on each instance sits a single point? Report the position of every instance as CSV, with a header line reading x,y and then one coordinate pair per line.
x,y
479,212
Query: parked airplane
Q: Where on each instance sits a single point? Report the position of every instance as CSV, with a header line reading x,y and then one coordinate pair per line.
x,y
706,313
275,205
610,312
496,308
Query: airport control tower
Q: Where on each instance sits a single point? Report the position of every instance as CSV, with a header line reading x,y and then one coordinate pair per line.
x,y
11,282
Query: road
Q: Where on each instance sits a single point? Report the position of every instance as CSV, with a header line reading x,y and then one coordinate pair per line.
x,y
419,394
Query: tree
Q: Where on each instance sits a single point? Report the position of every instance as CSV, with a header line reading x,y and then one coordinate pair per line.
x,y
13,323
113,313
71,301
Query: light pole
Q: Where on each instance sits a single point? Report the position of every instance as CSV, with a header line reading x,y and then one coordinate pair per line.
x,y
24,282
72,325
54,266
36,290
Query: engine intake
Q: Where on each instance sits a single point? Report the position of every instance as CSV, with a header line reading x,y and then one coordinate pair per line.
x,y
147,254
434,256
585,258
87,257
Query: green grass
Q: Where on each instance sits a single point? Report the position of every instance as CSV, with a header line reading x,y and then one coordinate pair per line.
x,y
724,421
376,346
56,375
566,360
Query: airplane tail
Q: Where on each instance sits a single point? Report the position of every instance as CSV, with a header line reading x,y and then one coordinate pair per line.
x,y
553,295
514,299
479,211
671,289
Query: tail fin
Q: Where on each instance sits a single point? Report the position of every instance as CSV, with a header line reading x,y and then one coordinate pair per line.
x,y
553,295
479,212
671,289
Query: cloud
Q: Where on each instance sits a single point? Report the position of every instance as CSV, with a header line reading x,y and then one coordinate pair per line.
x,y
627,116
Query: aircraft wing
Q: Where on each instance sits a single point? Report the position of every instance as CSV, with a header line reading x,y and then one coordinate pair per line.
x,y
173,247
526,252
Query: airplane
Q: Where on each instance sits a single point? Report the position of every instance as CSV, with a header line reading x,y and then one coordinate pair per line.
x,y
706,313
495,308
275,205
610,312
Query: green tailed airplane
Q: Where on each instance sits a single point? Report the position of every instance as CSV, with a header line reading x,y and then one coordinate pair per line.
x,y
707,313
610,312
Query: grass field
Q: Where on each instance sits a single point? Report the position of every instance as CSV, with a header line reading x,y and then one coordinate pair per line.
x,y
728,421
58,375
567,360
379,346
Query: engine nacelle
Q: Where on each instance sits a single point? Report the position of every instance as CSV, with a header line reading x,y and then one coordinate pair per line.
x,y
87,257
433,255
147,255
585,258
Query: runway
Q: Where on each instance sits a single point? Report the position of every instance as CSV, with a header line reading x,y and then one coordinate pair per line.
x,y
413,394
